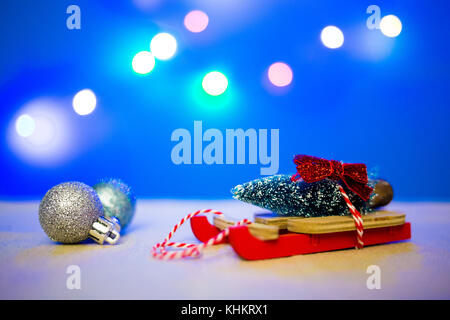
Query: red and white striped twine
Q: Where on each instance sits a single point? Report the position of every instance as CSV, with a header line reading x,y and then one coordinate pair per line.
x,y
190,250
357,217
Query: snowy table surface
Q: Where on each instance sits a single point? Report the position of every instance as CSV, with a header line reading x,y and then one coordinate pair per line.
x,y
33,267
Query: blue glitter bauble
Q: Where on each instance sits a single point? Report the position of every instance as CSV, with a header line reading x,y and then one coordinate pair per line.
x,y
118,200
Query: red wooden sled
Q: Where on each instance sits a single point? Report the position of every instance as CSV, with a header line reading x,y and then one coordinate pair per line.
x,y
288,244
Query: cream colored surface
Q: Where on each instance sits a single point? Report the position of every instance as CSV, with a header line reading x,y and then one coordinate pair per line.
x,y
31,266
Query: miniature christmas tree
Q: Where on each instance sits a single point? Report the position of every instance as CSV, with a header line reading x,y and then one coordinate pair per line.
x,y
317,189
285,197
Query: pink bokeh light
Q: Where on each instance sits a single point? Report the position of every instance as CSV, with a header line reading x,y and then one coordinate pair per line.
x,y
196,21
280,74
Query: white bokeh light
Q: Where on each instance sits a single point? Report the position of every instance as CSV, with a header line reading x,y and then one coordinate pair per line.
x,y
215,83
41,132
390,26
143,62
163,46
25,125
84,102
332,37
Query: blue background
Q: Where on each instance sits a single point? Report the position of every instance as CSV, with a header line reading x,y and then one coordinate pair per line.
x,y
377,100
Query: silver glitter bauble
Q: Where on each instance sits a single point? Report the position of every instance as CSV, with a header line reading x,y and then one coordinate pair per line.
x,y
68,211
118,200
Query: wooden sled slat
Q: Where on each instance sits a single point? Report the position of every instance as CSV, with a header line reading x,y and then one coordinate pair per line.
x,y
272,219
318,225
330,224
267,226
260,231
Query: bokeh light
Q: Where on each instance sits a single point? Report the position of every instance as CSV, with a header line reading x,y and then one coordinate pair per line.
x,y
41,133
390,26
280,74
163,46
84,102
143,62
196,21
215,83
25,125
332,37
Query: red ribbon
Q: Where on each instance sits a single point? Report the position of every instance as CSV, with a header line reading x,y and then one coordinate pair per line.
x,y
354,175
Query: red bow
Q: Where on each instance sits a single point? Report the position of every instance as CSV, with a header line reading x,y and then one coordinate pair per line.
x,y
354,175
